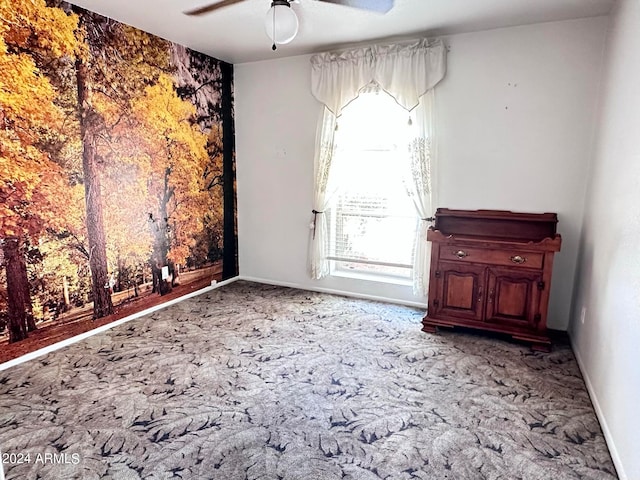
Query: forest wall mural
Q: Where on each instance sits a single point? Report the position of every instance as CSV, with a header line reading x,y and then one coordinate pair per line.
x,y
117,177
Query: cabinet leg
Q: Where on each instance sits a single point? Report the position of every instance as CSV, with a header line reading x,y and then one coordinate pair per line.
x,y
427,327
541,347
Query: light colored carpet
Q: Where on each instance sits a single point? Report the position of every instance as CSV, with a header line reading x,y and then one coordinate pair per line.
x,y
259,382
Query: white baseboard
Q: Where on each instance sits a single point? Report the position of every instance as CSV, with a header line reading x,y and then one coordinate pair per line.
x,y
376,298
104,328
600,414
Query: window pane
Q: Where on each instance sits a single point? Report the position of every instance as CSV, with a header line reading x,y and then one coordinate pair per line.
x,y
373,220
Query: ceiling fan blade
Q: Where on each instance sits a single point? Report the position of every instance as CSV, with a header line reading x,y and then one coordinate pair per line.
x,y
212,7
382,6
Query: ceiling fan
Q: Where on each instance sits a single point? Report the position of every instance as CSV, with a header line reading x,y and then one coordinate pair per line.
x,y
282,22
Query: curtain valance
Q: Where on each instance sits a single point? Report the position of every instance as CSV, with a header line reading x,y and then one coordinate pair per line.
x,y
405,71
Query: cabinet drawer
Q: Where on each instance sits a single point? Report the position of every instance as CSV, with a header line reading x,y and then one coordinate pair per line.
x,y
511,258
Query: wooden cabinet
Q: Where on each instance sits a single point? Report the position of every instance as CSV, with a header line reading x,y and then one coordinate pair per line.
x,y
492,270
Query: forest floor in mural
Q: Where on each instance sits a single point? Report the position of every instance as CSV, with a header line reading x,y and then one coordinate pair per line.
x,y
79,320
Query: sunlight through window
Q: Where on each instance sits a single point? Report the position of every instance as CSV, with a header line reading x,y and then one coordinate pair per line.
x,y
372,219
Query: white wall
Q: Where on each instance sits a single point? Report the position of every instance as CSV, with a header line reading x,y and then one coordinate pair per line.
x,y
608,282
516,114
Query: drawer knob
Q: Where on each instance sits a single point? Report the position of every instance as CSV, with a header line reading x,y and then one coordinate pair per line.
x,y
518,259
461,254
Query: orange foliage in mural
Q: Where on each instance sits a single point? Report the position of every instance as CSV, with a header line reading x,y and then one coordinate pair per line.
x,y
30,33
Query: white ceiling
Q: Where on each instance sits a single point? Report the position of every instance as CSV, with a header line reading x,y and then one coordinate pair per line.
x,y
236,33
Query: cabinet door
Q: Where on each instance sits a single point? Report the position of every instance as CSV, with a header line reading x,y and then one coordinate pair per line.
x,y
459,291
513,297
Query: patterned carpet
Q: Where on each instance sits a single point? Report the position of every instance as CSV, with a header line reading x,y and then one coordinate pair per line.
x,y
259,382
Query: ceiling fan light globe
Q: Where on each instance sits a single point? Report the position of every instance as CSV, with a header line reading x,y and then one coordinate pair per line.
x,y
281,24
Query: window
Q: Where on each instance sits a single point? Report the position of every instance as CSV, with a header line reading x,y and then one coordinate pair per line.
x,y
374,127
372,220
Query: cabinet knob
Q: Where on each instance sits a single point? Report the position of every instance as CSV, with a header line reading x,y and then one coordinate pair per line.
x,y
461,254
518,259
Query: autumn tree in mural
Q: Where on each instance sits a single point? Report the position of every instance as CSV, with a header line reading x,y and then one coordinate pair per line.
x,y
174,161
109,78
115,162
31,185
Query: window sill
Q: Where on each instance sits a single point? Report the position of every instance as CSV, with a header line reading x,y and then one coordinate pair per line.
x,y
372,278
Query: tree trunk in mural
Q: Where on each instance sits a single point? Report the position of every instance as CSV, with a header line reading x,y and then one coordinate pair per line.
x,y
161,244
230,247
18,301
102,305
65,293
24,283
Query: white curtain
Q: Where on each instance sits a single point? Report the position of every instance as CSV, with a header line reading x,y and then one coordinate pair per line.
x,y
324,187
407,72
421,153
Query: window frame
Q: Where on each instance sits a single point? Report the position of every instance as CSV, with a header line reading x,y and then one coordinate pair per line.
x,y
337,262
